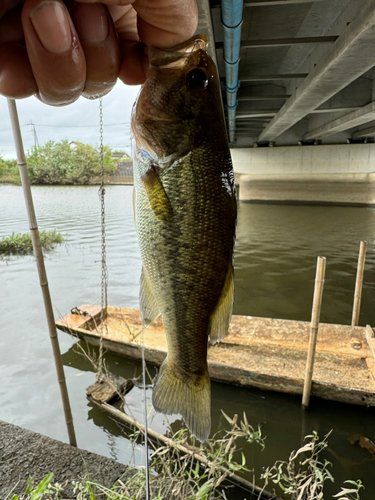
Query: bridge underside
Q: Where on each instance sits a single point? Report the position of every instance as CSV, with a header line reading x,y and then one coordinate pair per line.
x,y
305,98
306,70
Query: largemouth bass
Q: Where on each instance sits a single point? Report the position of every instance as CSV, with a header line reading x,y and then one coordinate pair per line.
x,y
185,215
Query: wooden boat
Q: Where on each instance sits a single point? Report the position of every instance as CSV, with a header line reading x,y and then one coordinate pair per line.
x,y
257,352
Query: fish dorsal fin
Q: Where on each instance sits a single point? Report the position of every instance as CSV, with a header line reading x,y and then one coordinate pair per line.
x,y
157,197
147,301
220,319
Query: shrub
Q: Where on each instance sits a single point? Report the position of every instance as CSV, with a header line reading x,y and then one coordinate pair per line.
x,y
21,244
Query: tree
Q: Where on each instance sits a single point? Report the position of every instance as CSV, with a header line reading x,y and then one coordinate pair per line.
x,y
64,163
9,171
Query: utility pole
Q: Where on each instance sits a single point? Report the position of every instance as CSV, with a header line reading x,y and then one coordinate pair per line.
x,y
33,130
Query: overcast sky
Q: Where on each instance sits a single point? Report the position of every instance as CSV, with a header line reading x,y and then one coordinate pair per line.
x,y
76,122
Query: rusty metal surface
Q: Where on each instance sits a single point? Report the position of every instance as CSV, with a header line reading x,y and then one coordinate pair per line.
x,y
259,352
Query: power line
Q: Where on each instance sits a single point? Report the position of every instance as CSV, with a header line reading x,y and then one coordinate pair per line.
x,y
79,126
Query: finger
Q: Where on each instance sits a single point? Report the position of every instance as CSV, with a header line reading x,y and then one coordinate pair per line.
x,y
108,2
162,23
133,61
8,5
11,27
100,44
167,22
16,77
54,50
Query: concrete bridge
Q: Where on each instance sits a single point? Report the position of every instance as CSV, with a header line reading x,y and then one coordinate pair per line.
x,y
297,81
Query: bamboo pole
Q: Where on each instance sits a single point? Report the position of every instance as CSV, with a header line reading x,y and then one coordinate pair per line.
x,y
22,165
315,315
359,283
240,481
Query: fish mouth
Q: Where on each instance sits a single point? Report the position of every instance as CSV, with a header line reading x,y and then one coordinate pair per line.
x,y
175,57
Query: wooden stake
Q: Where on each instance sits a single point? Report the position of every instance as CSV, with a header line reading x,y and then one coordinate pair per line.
x,y
315,315
359,283
21,160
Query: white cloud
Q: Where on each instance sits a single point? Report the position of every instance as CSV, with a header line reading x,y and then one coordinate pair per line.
x,y
77,122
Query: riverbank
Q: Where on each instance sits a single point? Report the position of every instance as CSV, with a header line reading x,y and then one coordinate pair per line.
x,y
24,453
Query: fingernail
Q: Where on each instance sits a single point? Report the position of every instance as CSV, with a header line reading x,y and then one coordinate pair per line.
x,y
51,23
93,27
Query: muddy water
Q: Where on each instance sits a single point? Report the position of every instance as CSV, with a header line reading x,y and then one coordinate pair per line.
x,y
275,261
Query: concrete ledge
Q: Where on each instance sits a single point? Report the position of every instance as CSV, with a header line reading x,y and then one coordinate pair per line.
x,y
325,189
25,453
312,160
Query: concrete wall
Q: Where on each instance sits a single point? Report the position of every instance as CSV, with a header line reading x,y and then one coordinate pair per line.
x,y
329,174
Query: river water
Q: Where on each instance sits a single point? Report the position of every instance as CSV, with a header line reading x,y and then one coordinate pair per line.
x,y
275,260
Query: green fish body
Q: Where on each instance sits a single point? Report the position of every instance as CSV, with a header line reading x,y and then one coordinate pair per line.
x,y
185,215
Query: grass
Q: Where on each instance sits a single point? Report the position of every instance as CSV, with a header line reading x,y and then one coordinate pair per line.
x,y
177,476
21,244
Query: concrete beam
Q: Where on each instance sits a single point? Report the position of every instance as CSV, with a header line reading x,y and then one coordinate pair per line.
x,y
362,115
282,42
264,78
270,112
266,3
346,60
366,132
263,3
268,97
256,114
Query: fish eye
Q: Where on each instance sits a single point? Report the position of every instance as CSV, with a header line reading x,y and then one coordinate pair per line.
x,y
196,79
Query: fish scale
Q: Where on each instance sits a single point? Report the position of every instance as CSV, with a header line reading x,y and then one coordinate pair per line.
x,y
185,215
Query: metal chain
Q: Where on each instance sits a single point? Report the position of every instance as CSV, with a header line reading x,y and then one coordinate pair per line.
x,y
104,270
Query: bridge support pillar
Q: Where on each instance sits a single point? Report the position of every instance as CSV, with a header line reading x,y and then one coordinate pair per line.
x,y
320,175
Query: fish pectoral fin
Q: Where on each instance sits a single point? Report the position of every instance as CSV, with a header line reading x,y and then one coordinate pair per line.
x,y
157,197
188,395
220,319
147,301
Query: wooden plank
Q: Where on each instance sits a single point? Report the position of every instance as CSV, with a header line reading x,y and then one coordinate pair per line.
x,y
370,337
257,352
112,387
78,320
371,366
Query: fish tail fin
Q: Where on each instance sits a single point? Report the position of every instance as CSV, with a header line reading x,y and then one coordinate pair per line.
x,y
186,395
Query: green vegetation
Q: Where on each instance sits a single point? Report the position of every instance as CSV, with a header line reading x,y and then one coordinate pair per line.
x,y
64,163
178,476
21,244
9,172
61,163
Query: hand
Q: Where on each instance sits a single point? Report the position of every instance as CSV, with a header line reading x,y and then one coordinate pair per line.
x,y
60,51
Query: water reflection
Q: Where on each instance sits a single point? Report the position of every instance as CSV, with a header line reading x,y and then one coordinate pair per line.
x,y
275,260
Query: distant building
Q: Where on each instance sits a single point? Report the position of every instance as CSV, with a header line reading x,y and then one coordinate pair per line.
x,y
123,174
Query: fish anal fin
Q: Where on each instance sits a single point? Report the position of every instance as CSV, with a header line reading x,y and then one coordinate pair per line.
x,y
220,319
185,395
147,301
157,197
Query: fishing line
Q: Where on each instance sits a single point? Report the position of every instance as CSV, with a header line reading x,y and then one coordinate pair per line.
x,y
104,297
145,417
104,270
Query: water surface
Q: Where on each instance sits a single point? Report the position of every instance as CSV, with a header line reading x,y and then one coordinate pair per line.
x,y
275,261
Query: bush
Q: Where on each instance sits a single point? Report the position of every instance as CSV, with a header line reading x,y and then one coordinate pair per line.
x,y
64,163
9,171
21,244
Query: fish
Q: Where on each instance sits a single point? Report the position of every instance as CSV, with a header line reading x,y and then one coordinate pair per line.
x,y
185,214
